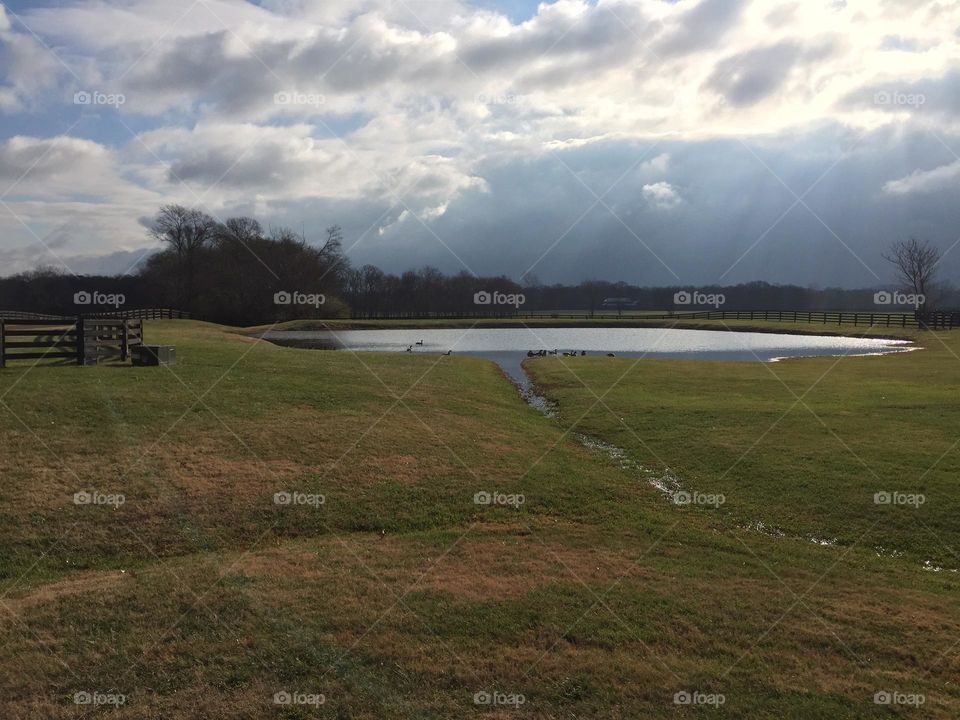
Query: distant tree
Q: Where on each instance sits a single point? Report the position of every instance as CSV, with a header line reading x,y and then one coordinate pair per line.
x,y
334,243
242,230
187,231
916,265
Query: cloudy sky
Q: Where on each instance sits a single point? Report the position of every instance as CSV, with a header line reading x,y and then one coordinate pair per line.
x,y
656,142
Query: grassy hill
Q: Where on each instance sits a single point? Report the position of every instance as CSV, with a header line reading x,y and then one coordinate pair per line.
x,y
303,525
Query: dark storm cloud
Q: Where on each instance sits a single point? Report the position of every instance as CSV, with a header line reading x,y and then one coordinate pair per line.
x,y
728,227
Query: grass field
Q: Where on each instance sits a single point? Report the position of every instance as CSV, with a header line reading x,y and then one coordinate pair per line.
x,y
385,590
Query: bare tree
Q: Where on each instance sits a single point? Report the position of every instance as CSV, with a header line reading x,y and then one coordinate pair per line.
x,y
916,264
242,230
186,231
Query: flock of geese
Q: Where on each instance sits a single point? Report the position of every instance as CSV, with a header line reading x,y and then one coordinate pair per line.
x,y
420,342
571,353
530,353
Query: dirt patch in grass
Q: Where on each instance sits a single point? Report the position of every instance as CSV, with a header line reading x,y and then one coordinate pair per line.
x,y
476,570
88,582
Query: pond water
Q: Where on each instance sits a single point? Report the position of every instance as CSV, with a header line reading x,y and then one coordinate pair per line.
x,y
508,347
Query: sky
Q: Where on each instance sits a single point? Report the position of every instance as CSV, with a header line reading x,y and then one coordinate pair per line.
x,y
686,142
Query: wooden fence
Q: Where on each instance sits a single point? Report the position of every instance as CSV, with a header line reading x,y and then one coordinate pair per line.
x,y
135,314
83,341
143,314
20,315
931,320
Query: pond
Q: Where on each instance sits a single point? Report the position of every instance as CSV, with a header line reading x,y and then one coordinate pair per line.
x,y
508,347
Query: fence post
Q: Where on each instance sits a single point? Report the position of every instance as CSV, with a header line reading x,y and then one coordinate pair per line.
x,y
91,344
124,340
81,340
3,362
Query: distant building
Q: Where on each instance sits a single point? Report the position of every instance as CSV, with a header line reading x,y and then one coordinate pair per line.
x,y
619,303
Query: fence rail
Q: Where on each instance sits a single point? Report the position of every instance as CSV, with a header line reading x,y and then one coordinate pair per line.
x,y
931,320
143,314
20,315
132,314
80,340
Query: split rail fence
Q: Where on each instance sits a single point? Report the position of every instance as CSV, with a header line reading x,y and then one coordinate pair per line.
x,y
83,341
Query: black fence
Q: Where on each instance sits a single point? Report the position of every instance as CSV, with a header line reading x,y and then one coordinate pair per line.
x,y
941,320
83,341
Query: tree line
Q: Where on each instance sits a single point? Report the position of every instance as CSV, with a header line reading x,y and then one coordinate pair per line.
x,y
237,272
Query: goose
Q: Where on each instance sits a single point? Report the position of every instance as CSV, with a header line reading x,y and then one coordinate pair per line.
x,y
419,342
449,352
610,355
531,353
410,348
583,353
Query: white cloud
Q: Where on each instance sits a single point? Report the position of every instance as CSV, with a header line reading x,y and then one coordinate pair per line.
x,y
56,168
422,99
662,195
658,165
925,181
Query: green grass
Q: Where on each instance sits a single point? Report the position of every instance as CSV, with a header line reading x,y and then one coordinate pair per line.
x,y
400,597
801,446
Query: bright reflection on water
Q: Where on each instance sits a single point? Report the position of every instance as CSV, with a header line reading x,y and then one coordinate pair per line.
x,y
509,346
